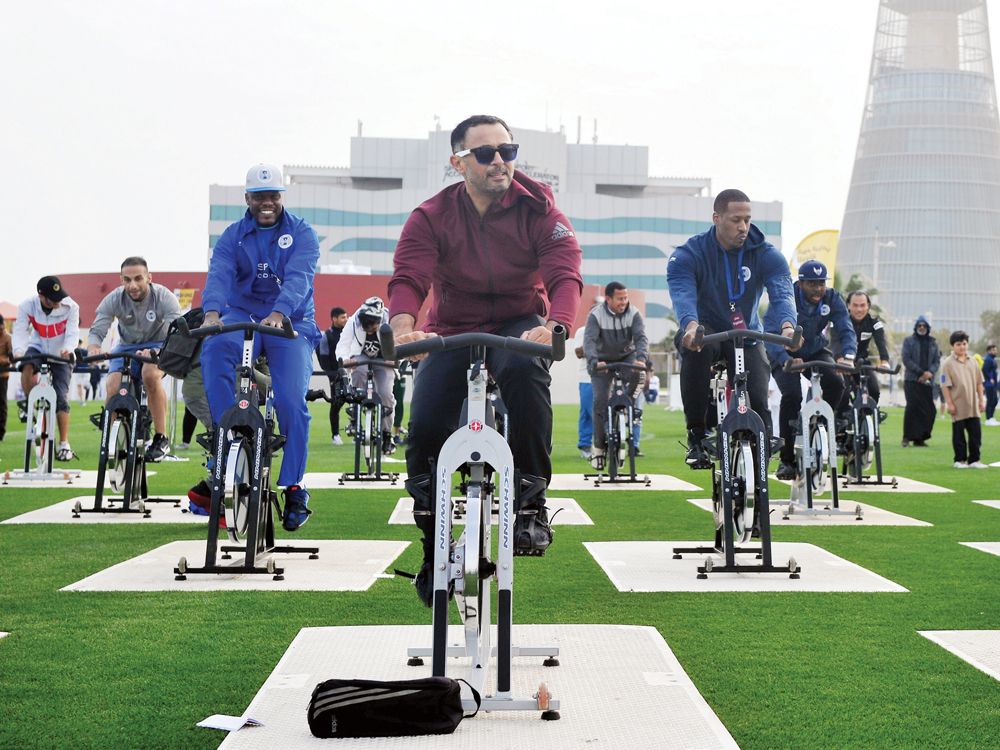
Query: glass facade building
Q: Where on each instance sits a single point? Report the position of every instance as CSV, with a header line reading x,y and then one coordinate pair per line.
x,y
923,214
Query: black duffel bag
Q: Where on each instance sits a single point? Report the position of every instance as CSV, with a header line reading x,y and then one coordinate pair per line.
x,y
371,708
178,352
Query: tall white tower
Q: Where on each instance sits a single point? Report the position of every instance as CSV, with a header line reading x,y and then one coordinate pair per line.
x,y
923,212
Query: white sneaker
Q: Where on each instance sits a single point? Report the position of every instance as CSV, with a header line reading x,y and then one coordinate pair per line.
x,y
337,440
597,458
992,423
182,446
64,452
978,465
961,465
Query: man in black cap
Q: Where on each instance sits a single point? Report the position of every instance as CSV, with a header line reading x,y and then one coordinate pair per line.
x,y
49,323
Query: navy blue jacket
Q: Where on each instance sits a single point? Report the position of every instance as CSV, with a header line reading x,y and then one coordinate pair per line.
x,y
990,371
262,271
814,319
696,275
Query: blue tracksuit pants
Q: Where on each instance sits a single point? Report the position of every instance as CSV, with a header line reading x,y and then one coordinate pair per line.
x,y
290,363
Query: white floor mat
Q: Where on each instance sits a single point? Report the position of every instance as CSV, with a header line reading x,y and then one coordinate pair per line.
x,y
872,516
662,482
989,503
991,547
343,565
619,686
981,648
904,485
649,566
86,480
570,513
331,481
62,512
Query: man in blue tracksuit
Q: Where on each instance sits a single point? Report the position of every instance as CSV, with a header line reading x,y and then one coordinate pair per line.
x,y
262,269
716,280
817,307
990,383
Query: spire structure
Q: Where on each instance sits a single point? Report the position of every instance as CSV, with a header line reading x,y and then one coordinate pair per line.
x,y
923,214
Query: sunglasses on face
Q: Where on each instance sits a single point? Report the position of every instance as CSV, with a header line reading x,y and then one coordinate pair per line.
x,y
486,154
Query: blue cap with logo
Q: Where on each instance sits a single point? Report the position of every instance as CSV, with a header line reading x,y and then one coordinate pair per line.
x,y
264,177
813,270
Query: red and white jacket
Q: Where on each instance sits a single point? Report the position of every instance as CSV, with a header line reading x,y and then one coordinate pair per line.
x,y
49,332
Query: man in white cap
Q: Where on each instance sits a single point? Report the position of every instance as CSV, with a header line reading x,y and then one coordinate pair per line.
x,y
262,269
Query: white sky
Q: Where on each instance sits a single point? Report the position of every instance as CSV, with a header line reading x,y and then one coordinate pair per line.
x,y
115,117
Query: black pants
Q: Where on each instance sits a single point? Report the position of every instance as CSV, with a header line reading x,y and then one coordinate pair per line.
x,y
601,383
398,393
991,402
696,372
335,406
967,452
3,406
790,385
440,387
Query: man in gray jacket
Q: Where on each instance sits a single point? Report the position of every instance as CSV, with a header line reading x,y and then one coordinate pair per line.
x,y
615,333
144,310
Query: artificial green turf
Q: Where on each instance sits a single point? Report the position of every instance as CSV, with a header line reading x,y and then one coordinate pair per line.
x,y
789,670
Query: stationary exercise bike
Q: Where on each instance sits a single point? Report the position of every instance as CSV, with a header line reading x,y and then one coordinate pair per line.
x,y
864,431
243,447
815,437
39,439
124,424
621,425
368,428
468,567
740,499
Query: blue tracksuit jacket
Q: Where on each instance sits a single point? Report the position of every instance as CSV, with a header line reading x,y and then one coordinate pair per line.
x,y
696,275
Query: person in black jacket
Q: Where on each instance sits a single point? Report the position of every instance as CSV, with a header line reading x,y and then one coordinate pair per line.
x,y
921,359
867,329
326,353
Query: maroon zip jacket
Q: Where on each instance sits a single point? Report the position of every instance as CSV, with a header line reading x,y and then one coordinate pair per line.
x,y
490,270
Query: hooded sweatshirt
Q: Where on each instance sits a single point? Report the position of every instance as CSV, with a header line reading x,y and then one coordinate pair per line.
x,y
920,353
611,337
696,275
486,271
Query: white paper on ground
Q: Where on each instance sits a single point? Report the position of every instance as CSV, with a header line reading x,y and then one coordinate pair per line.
x,y
228,723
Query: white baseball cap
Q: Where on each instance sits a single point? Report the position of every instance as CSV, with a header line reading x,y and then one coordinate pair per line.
x,y
264,177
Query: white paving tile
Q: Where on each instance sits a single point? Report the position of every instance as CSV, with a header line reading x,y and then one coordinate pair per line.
x,y
62,512
981,648
649,566
570,513
343,565
619,686
872,516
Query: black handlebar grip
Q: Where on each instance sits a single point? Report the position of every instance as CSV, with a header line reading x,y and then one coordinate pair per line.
x,y
182,326
387,340
796,338
699,334
558,342
286,326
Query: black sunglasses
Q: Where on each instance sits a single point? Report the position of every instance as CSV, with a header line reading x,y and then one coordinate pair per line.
x,y
486,154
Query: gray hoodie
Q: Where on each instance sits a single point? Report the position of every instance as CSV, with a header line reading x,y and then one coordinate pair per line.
x,y
611,338
138,322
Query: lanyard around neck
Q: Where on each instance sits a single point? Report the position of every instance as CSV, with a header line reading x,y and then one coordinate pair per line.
x,y
729,276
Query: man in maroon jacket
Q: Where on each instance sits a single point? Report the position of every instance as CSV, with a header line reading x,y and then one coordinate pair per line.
x,y
502,259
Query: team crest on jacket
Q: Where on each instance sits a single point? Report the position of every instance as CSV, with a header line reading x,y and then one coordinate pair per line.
x,y
824,309
561,230
746,273
285,241
150,315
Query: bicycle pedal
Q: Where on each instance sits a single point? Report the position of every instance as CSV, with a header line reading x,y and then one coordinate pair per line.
x,y
96,419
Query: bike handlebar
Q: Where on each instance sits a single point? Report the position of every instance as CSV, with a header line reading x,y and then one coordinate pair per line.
x,y
43,358
153,360
246,325
380,362
822,364
700,339
865,367
620,366
555,352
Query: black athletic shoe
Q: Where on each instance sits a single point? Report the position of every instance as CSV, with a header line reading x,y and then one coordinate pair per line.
x,y
388,444
159,448
785,471
315,394
532,531
424,582
697,456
